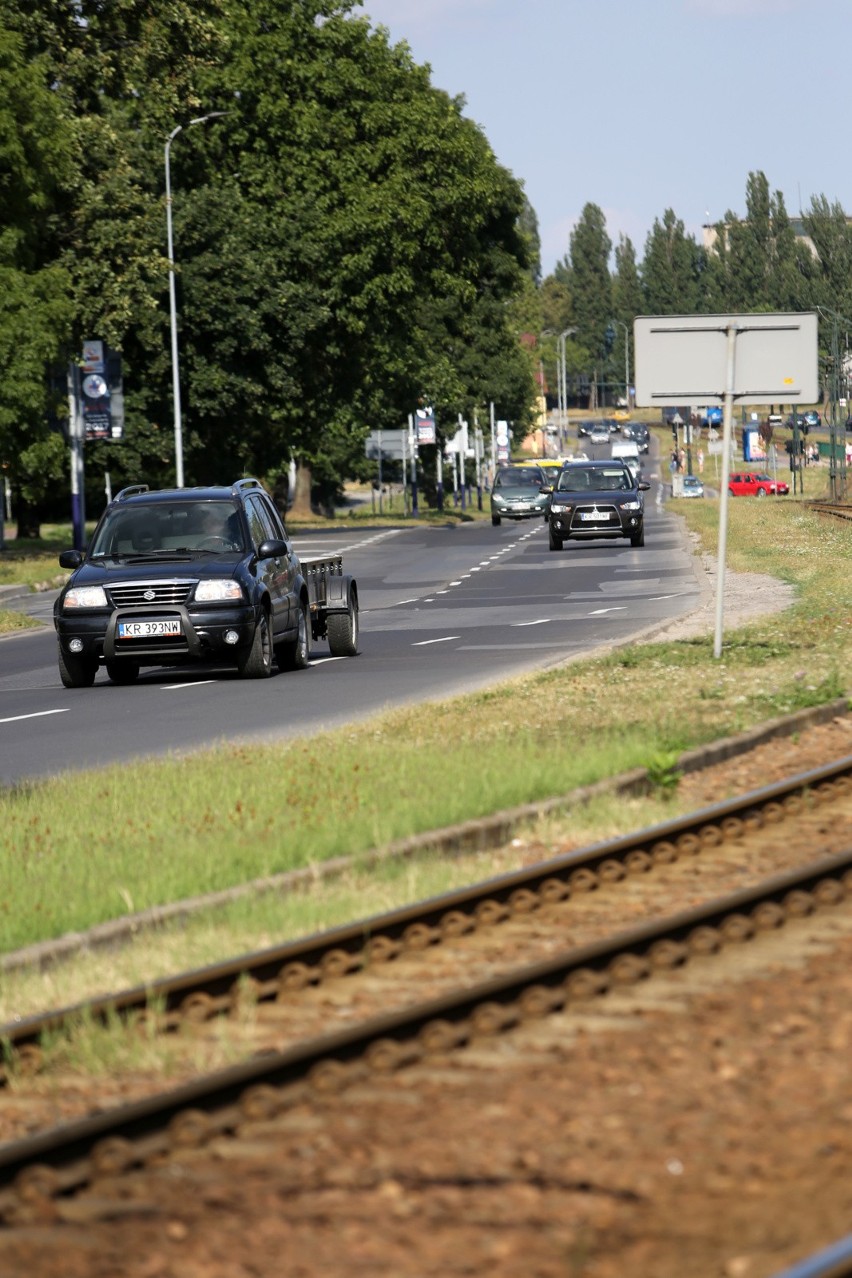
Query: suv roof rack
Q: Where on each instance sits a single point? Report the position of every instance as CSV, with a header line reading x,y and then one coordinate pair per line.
x,y
130,491
245,483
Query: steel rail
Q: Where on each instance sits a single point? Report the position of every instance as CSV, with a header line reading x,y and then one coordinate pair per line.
x,y
65,1160
206,992
834,1261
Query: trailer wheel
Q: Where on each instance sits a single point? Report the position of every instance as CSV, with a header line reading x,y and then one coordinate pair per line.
x,y
343,630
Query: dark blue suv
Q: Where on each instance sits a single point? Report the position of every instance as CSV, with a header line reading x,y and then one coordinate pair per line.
x,y
183,575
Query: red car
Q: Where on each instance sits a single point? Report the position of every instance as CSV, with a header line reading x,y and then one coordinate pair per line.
x,y
751,483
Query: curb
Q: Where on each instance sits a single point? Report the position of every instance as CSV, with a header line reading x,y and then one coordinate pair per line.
x,y
478,835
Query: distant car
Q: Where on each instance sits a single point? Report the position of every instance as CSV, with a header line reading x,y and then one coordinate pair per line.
x,y
751,484
517,494
641,435
692,486
780,487
622,415
599,434
813,418
797,420
597,499
584,429
711,416
612,424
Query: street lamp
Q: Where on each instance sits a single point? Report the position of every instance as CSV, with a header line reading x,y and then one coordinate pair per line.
x,y
563,387
200,119
622,324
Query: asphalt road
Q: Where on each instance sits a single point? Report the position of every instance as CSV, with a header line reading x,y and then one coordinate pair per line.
x,y
443,611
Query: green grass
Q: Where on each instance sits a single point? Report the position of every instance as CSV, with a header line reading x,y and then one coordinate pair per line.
x,y
86,848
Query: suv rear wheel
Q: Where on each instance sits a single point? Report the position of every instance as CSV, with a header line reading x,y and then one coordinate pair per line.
x,y
256,662
295,654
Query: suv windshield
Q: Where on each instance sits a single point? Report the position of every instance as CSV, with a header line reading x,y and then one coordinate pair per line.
x,y
598,480
518,478
164,528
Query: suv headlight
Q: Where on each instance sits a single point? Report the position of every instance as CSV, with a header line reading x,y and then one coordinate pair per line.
x,y
631,505
218,588
85,597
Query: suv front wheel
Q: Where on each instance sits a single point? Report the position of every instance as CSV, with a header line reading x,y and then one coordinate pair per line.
x,y
75,671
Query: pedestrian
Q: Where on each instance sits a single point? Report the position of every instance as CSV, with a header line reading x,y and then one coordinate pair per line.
x,y
701,461
681,461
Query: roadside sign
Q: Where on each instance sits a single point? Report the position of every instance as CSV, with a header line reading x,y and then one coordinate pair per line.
x,y
682,359
391,445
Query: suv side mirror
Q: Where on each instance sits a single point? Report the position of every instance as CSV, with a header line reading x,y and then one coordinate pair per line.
x,y
70,559
273,549
643,486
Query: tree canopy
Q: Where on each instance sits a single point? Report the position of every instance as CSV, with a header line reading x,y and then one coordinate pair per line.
x,y
346,243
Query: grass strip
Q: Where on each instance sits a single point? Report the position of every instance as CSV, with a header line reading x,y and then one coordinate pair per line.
x,y
85,848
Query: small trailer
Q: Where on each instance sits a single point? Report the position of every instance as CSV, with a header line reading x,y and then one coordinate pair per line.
x,y
333,597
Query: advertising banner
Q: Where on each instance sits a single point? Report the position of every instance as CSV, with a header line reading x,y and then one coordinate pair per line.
x,y
95,397
424,426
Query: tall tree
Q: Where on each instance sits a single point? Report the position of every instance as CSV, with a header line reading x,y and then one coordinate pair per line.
x,y
671,269
37,171
591,286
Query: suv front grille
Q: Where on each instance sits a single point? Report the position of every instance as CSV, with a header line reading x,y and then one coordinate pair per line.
x,y
605,516
154,594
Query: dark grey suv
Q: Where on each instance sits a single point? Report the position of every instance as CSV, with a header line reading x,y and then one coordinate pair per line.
x,y
183,575
597,499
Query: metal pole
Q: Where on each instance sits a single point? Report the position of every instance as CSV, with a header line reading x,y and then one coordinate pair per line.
x,y
413,445
201,119
730,366
173,317
493,444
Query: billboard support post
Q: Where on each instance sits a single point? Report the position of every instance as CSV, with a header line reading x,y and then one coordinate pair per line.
x,y
713,359
727,426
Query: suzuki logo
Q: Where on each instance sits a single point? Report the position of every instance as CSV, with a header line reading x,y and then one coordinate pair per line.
x,y
149,595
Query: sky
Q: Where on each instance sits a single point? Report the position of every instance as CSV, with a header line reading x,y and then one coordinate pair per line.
x,y
638,106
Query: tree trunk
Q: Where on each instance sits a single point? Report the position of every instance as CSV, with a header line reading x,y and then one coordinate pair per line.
x,y
301,507
27,517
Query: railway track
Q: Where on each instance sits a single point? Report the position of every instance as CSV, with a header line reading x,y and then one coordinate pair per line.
x,y
485,930
516,915
86,1156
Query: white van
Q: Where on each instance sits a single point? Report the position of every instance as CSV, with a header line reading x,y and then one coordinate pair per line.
x,y
625,449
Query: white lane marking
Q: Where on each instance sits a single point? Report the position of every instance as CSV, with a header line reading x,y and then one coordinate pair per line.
x,y
455,583
400,602
36,714
323,661
421,643
657,598
599,612
176,687
431,599
542,621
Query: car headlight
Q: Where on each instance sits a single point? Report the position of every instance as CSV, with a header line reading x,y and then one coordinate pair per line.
x,y
498,501
631,505
85,597
218,588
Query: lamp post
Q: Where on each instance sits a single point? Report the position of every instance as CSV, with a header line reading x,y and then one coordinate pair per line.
x,y
563,376
200,119
622,324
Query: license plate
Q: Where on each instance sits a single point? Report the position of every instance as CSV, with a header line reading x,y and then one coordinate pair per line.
x,y
522,505
595,515
148,629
